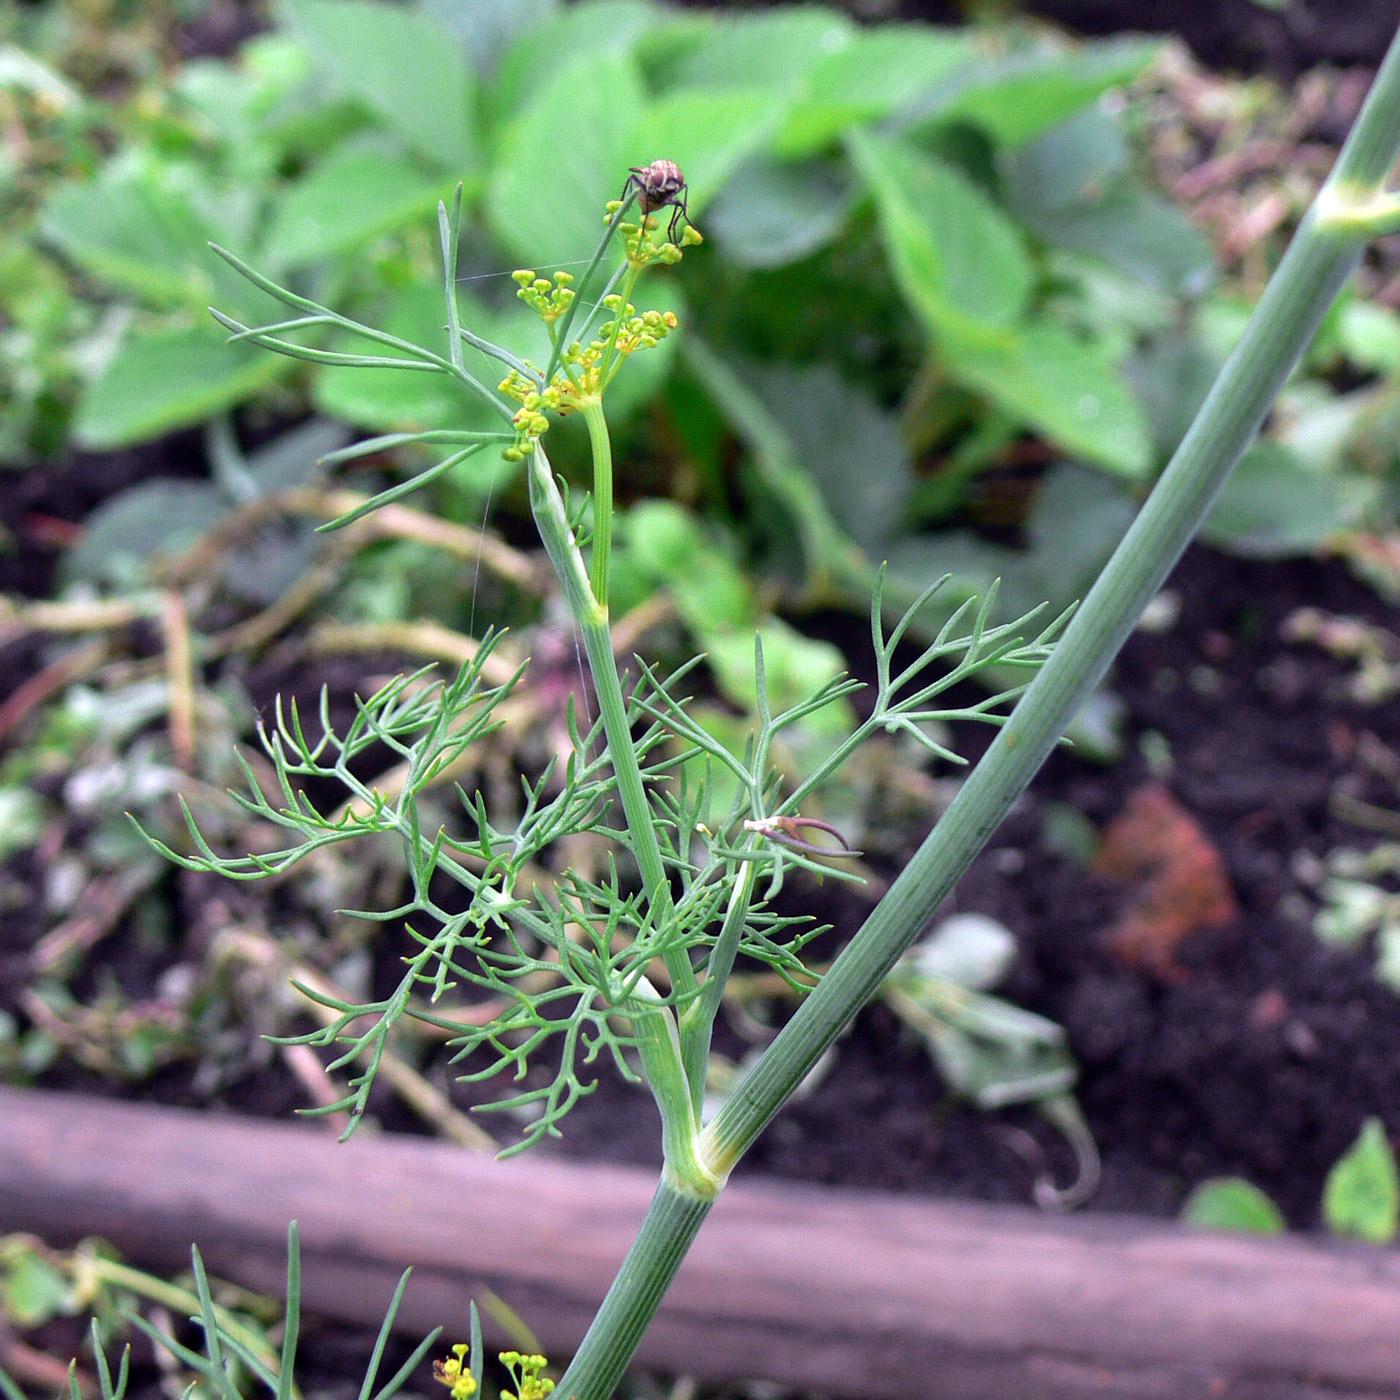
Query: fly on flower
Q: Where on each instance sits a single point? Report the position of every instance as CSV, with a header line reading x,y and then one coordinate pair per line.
x,y
658,186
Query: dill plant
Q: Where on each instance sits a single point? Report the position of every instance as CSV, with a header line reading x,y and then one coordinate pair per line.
x,y
636,961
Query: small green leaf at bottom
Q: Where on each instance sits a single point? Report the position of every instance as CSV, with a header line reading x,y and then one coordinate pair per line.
x,y
1362,1195
1232,1203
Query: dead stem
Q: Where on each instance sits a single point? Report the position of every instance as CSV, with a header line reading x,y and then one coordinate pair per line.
x,y
100,909
425,638
58,675
389,522
180,677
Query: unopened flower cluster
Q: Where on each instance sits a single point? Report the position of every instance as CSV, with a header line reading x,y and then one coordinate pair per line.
x,y
588,370
643,247
525,1371
455,1373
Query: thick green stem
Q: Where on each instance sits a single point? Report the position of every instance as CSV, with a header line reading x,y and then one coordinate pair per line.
x,y
671,1223
1318,261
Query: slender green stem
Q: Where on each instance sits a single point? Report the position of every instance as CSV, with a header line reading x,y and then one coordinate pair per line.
x,y
608,365
552,521
561,333
601,444
1318,261
449,233
89,1266
697,1018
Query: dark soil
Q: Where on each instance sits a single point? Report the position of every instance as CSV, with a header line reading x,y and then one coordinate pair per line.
x,y
1243,35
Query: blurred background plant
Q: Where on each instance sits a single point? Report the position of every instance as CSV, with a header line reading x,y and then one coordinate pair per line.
x,y
1015,324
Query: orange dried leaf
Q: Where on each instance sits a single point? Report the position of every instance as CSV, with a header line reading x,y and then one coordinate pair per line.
x,y
1176,881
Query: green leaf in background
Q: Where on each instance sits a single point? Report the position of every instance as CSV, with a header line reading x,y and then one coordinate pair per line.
x,y
852,448
878,71
1171,375
667,545
486,29
1369,335
134,228
795,667
1098,511
1015,98
1065,388
547,193
1362,1195
959,261
129,533
1232,1203
1067,165
706,135
1072,186
252,111
32,1291
805,532
776,51
169,377
403,65
1058,567
770,213
604,28
1141,234
355,194
1273,506
22,819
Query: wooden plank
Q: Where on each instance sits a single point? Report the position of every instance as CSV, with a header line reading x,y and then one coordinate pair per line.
x,y
842,1292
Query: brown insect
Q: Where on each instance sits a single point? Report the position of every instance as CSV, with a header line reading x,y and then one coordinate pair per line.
x,y
658,186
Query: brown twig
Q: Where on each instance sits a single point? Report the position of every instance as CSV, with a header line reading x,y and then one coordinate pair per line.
x,y
424,638
100,908
311,1073
252,632
633,626
103,615
389,522
56,676
180,678
430,1103
30,1366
